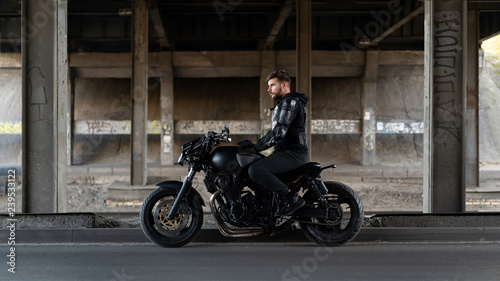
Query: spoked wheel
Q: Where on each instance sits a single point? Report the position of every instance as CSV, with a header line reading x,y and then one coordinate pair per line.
x,y
345,216
170,233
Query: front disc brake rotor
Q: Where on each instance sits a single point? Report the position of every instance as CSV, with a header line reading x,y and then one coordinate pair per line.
x,y
178,222
169,223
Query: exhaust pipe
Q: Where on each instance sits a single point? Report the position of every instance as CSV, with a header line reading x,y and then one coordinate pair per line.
x,y
224,229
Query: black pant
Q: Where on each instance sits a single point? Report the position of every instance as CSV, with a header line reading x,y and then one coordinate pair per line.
x,y
263,171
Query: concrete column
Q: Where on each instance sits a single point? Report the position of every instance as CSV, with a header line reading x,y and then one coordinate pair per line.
x,y
303,54
266,102
44,72
139,137
444,185
167,110
70,115
471,73
368,97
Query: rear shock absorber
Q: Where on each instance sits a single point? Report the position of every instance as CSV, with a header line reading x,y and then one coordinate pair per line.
x,y
319,190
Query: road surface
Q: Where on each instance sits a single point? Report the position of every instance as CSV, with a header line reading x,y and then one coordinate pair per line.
x,y
254,261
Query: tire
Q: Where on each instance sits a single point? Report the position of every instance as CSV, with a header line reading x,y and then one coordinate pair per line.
x,y
171,233
345,226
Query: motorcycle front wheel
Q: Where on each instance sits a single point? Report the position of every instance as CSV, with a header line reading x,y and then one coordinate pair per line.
x,y
345,216
170,233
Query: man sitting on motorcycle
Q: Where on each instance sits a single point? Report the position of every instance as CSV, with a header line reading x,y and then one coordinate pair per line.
x,y
289,138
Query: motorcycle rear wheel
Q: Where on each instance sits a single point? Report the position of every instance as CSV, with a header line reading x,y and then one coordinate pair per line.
x,y
344,225
170,233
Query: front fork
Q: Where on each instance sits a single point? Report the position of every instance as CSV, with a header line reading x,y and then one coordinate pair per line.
x,y
186,186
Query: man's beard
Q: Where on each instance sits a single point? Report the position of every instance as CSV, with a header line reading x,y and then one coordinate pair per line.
x,y
277,96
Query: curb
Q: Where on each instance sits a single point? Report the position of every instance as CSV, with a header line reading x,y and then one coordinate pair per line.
x,y
367,234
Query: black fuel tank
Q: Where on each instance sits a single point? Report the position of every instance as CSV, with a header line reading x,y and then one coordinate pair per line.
x,y
223,159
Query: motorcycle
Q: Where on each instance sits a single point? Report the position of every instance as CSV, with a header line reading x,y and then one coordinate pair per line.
x,y
172,214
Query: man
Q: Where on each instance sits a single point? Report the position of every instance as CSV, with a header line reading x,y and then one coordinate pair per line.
x,y
288,135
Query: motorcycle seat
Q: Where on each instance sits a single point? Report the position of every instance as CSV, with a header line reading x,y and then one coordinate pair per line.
x,y
295,173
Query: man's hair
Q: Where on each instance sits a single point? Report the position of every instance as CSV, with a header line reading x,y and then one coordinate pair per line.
x,y
281,75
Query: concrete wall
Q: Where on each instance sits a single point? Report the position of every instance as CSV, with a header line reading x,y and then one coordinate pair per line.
x,y
233,99
238,99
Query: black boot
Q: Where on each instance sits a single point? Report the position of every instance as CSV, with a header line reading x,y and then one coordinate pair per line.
x,y
289,203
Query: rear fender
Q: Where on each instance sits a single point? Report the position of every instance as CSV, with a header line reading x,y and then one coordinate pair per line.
x,y
175,186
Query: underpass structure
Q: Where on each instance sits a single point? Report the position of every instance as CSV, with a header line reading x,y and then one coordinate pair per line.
x,y
390,83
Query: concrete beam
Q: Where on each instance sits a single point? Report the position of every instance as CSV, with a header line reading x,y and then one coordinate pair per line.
x,y
112,127
139,140
368,98
239,127
157,21
241,64
304,58
266,102
318,126
10,60
242,59
71,114
393,28
444,186
44,72
471,75
197,127
278,24
167,114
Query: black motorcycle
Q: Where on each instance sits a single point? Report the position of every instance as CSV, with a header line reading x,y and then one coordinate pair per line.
x,y
172,215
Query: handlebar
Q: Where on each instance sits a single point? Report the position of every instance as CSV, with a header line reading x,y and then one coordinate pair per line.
x,y
197,149
218,137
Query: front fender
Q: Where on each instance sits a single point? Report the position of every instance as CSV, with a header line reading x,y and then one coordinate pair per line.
x,y
175,187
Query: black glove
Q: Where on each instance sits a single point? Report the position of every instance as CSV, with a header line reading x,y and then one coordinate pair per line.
x,y
247,146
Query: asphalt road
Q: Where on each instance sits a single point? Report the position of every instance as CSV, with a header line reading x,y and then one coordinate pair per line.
x,y
254,261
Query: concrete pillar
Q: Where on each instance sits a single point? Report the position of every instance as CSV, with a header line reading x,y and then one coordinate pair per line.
x,y
303,54
167,109
368,97
139,137
444,185
266,102
70,115
44,72
471,74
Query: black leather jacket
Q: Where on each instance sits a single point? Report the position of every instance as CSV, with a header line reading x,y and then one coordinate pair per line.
x,y
288,130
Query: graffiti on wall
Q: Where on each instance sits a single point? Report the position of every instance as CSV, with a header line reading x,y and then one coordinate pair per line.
x,y
400,127
447,105
37,94
10,128
112,127
202,126
319,126
334,126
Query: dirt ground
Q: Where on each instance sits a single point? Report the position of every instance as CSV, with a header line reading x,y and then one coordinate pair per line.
x,y
376,197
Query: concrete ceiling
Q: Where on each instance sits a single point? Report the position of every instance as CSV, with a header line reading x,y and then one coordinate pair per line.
x,y
197,25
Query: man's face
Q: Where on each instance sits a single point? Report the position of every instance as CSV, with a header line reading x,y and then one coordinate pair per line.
x,y
275,88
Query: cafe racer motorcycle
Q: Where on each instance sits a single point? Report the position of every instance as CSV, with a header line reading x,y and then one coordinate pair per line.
x,y
172,215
